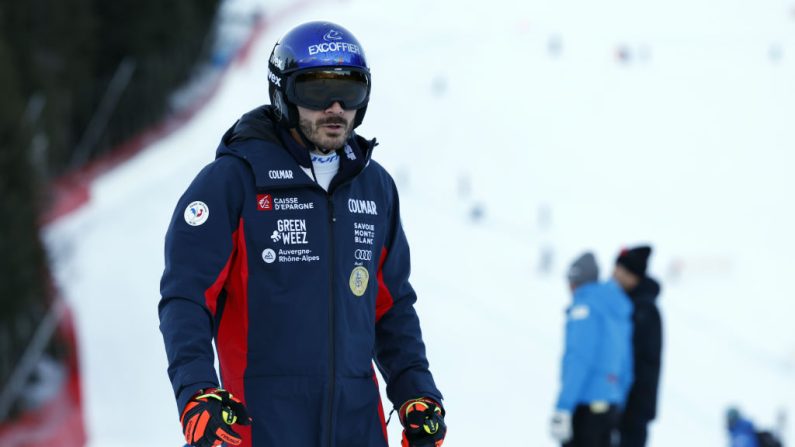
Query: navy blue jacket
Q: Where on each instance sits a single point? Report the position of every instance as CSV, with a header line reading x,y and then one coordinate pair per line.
x,y
647,345
597,362
301,289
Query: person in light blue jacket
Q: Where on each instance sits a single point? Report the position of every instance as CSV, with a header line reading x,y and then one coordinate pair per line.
x,y
597,367
742,432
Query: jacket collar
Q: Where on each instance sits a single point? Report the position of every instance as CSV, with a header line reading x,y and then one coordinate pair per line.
x,y
276,158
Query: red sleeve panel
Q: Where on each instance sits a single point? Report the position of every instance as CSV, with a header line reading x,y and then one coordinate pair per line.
x,y
383,301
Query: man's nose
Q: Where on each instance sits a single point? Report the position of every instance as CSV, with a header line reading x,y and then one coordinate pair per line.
x,y
335,107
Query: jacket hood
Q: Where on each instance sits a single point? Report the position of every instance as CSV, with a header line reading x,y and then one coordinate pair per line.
x,y
647,290
268,146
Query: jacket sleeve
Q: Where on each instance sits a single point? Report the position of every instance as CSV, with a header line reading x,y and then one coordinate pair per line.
x,y
647,341
582,333
627,366
196,264
399,349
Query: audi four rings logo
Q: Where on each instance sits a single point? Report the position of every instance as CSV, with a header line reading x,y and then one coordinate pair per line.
x,y
363,255
332,35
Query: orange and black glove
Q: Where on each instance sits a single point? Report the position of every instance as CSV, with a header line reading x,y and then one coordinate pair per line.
x,y
208,418
423,423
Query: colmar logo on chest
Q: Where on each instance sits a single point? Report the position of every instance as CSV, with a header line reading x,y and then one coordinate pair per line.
x,y
280,174
358,206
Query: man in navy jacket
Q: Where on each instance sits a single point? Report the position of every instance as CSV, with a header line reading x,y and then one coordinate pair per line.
x,y
288,252
597,363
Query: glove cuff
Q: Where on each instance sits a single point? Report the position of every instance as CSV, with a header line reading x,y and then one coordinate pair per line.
x,y
430,403
231,408
214,392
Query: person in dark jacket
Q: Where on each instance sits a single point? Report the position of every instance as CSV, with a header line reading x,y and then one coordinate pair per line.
x,y
641,407
288,252
597,368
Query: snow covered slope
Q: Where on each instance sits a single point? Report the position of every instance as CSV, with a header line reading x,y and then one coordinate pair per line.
x,y
667,122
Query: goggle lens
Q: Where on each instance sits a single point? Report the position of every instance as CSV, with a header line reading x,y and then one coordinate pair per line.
x,y
318,90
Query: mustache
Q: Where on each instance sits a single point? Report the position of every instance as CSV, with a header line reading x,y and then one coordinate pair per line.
x,y
332,120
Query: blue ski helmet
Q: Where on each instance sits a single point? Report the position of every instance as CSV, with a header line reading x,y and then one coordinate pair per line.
x,y
321,48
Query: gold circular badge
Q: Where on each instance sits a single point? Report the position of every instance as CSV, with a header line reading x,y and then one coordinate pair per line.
x,y
358,282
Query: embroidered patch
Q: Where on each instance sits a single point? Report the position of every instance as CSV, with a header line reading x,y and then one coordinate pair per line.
x,y
359,279
197,213
264,202
268,255
579,312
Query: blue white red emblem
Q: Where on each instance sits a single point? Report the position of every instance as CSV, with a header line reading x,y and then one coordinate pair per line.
x,y
197,213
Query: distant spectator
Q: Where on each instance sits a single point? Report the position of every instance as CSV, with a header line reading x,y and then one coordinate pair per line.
x,y
597,363
741,430
630,272
743,433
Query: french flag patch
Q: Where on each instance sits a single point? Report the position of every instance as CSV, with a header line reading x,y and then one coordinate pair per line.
x,y
264,202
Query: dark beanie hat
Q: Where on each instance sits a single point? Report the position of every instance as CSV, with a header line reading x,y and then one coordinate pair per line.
x,y
635,259
583,270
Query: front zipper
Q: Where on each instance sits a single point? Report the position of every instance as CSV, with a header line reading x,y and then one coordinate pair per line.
x,y
332,359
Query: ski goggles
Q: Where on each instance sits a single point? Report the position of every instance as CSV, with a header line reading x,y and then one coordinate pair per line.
x,y
319,89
